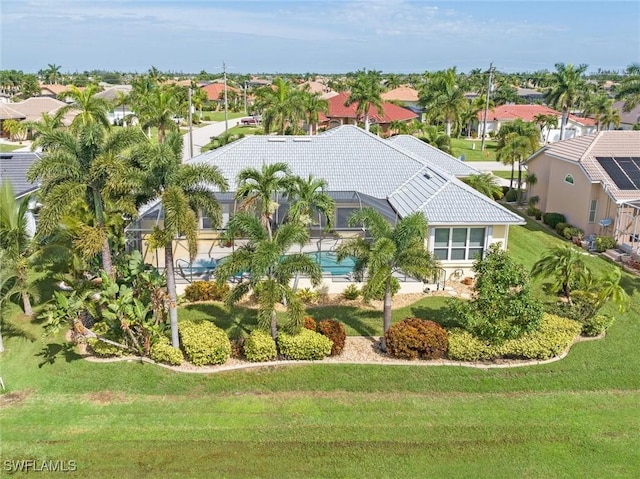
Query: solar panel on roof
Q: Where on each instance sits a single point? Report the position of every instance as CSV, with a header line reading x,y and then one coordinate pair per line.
x,y
617,173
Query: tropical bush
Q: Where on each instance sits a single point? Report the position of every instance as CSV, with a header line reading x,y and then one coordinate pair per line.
x,y
204,343
560,227
554,336
414,338
511,196
351,292
163,352
603,243
306,345
260,346
308,295
102,349
552,219
310,323
598,324
206,291
334,330
572,232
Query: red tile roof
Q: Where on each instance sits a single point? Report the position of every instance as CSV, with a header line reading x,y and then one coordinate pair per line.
x,y
215,90
389,113
403,93
528,113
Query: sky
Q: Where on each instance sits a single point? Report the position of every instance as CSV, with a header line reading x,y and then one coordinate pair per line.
x,y
317,36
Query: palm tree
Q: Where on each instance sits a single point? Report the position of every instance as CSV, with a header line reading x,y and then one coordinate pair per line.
x,y
184,190
158,107
567,87
52,72
366,92
91,109
434,137
546,122
606,287
518,139
281,106
46,125
314,104
257,189
485,183
267,269
629,89
564,264
17,247
307,196
393,250
74,169
443,98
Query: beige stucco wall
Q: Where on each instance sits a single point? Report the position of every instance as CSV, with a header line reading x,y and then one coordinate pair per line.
x,y
572,200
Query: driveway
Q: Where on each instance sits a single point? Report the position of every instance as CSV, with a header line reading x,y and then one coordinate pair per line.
x,y
202,136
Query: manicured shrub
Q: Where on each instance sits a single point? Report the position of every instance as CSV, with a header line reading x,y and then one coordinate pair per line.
x,y
552,219
511,196
306,345
204,343
603,243
334,330
538,214
206,291
559,227
572,232
163,352
310,323
414,338
351,292
531,210
102,349
260,346
553,336
308,295
597,324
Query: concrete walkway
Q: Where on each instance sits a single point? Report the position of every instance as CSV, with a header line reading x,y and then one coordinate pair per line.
x,y
202,136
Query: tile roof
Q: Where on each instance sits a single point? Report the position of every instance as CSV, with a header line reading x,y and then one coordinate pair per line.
x,y
14,167
390,112
403,93
315,87
629,117
585,149
8,113
528,113
54,88
33,108
112,93
351,159
214,90
433,156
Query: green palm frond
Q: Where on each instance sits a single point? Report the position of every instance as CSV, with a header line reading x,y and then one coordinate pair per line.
x,y
59,200
375,223
298,263
248,225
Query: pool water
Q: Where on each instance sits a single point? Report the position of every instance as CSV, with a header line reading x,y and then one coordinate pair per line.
x,y
329,263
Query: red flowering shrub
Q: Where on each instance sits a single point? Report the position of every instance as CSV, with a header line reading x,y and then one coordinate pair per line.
x,y
414,338
334,330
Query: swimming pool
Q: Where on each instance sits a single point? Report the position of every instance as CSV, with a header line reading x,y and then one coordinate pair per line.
x,y
329,263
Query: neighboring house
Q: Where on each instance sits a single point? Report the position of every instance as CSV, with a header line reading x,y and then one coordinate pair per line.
x,y
397,177
32,109
530,95
114,94
52,90
498,116
8,113
14,167
594,181
338,114
315,87
628,119
215,93
405,96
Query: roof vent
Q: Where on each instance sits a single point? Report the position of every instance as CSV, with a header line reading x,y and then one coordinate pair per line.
x,y
278,139
302,139
427,175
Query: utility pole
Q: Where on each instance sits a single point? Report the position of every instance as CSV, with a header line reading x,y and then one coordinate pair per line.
x,y
486,107
226,120
190,128
245,98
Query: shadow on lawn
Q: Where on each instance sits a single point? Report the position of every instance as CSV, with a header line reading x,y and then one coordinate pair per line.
x,y
236,322
356,319
52,351
436,314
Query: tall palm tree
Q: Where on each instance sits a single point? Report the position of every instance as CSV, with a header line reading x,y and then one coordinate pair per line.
x,y
75,168
518,150
611,117
268,269
52,72
91,109
599,106
158,107
629,88
184,190
546,122
307,196
485,183
512,149
257,189
443,98
564,264
314,104
566,89
393,250
47,124
281,105
366,92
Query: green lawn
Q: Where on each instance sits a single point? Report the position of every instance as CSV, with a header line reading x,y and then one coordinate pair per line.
x,y
574,418
219,115
4,148
462,146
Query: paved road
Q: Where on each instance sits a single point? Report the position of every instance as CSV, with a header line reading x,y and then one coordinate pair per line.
x,y
202,136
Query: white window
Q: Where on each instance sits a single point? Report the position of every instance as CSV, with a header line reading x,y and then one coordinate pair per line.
x,y
593,208
457,244
568,179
